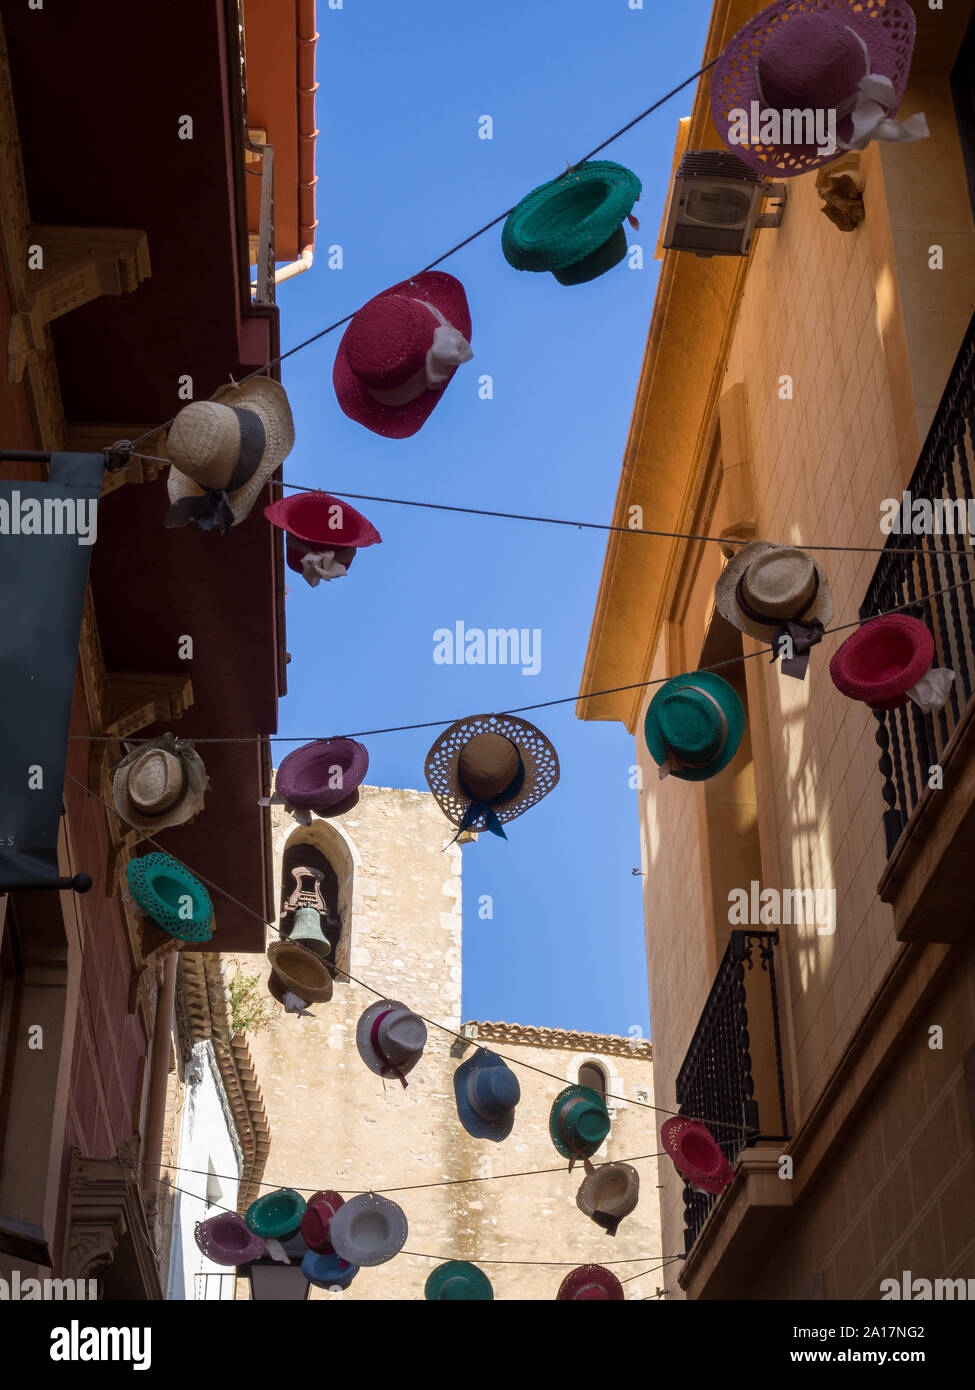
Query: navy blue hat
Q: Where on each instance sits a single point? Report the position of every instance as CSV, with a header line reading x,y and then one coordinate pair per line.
x,y
328,1271
486,1091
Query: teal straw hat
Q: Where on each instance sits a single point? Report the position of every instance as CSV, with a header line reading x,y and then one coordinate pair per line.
x,y
572,226
694,726
458,1280
578,1123
276,1215
170,895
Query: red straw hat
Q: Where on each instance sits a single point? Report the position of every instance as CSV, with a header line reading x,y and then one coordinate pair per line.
x,y
316,521
696,1154
316,1220
590,1282
398,354
882,660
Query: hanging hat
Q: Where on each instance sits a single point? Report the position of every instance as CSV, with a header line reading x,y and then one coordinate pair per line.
x,y
591,1282
315,1222
171,897
609,1193
226,1240
887,662
323,534
368,1230
328,1271
774,592
307,929
291,1003
276,1215
572,226
400,351
161,783
300,973
390,1038
830,56
457,1279
693,726
322,777
696,1153
486,1091
222,452
578,1124
489,768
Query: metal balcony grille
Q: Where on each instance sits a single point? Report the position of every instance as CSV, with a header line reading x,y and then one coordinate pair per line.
x,y
716,1082
910,741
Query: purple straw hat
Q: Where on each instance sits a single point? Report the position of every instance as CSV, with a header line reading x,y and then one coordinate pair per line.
x,y
848,57
226,1240
323,776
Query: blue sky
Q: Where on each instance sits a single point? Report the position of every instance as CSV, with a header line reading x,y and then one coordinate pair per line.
x,y
402,176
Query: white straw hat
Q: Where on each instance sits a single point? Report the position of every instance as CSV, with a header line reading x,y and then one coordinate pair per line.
x,y
609,1193
223,451
368,1230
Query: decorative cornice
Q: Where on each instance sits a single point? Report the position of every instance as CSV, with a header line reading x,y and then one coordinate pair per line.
x,y
565,1039
206,1006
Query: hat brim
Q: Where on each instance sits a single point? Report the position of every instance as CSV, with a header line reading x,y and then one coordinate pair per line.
x,y
586,1196
291,514
345,1246
141,876
591,234
570,1093
267,398
363,1040
889,692
445,293
476,1125
185,809
734,84
212,1248
670,1134
733,711
590,1274
726,595
537,754
322,799
279,953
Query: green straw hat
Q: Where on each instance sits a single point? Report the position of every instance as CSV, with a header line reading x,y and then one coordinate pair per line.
x,y
458,1280
578,1123
171,897
572,226
276,1215
694,726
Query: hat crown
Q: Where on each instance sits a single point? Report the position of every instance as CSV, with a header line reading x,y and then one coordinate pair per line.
x,y
690,724
204,443
154,781
495,1090
584,1121
402,1035
488,763
610,1186
810,60
388,339
780,582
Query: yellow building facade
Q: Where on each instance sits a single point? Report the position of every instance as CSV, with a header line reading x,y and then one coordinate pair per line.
x,y
784,396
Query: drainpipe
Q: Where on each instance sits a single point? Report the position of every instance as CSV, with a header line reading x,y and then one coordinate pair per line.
x,y
298,267
161,1037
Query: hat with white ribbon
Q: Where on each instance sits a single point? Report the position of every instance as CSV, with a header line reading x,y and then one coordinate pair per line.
x,y
400,352
844,62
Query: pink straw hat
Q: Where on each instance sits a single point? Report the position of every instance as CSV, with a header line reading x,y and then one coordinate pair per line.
x,y
400,351
590,1282
696,1153
880,662
849,57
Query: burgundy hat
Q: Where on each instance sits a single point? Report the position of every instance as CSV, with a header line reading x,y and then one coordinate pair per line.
x,y
882,660
317,521
398,354
843,56
591,1282
306,776
696,1154
226,1239
315,1222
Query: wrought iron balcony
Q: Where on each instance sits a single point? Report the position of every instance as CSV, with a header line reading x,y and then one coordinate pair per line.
x,y
732,1076
911,741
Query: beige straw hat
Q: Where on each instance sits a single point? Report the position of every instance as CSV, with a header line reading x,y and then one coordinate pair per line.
x,y
781,583
609,1193
160,783
223,451
300,971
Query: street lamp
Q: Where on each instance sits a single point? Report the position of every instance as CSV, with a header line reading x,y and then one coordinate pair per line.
x,y
271,1280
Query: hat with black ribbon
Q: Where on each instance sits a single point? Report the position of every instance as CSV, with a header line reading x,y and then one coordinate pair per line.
x,y
608,1194
777,594
488,769
160,783
224,450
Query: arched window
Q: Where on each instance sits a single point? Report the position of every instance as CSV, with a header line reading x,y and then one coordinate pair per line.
x,y
317,869
594,1077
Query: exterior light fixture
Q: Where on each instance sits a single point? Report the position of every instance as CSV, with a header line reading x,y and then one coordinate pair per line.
x,y
272,1281
715,205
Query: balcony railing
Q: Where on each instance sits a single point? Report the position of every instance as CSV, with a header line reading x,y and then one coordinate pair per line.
x,y
734,1062
911,741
